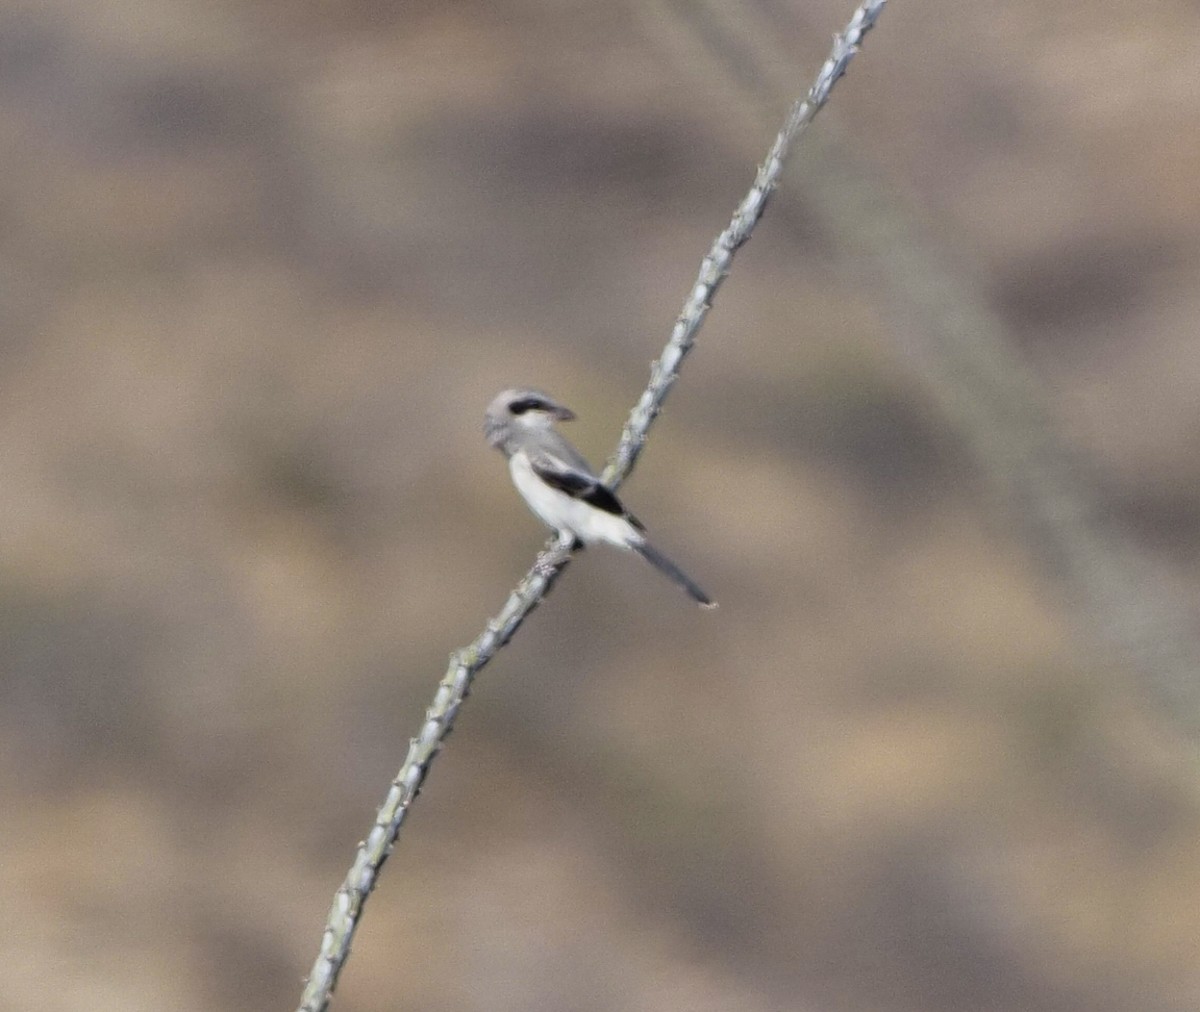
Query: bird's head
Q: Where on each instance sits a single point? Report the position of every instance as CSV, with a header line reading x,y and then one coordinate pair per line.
x,y
517,410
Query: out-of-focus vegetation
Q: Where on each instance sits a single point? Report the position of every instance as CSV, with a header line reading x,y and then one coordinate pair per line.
x,y
263,266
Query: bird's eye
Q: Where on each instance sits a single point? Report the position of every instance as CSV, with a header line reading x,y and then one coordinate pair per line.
x,y
527,404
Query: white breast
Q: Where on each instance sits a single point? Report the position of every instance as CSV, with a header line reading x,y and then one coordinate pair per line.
x,y
563,513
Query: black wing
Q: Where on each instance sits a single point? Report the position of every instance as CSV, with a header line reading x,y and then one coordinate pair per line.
x,y
578,485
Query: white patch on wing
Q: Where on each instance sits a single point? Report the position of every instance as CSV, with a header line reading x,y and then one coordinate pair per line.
x,y
563,513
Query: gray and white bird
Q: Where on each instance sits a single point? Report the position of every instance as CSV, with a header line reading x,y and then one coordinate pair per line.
x,y
560,486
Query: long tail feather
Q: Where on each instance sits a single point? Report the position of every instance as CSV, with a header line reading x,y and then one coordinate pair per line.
x,y
672,572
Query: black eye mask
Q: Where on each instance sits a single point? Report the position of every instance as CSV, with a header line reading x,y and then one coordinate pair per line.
x,y
528,404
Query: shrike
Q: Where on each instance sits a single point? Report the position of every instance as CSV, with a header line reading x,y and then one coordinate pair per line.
x,y
560,486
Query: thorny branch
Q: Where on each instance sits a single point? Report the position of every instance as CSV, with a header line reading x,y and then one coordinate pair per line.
x,y
466,663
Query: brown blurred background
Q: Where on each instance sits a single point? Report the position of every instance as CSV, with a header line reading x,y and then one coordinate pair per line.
x,y
263,265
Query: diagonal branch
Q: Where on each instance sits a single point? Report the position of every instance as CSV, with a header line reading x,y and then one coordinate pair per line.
x,y
465,664
717,262
1126,607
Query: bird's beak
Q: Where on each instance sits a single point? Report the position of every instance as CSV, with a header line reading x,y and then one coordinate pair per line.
x,y
563,414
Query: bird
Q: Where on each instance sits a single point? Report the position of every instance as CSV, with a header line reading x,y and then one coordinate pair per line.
x,y
560,486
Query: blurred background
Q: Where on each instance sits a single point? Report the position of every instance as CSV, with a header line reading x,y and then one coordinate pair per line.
x,y
264,264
